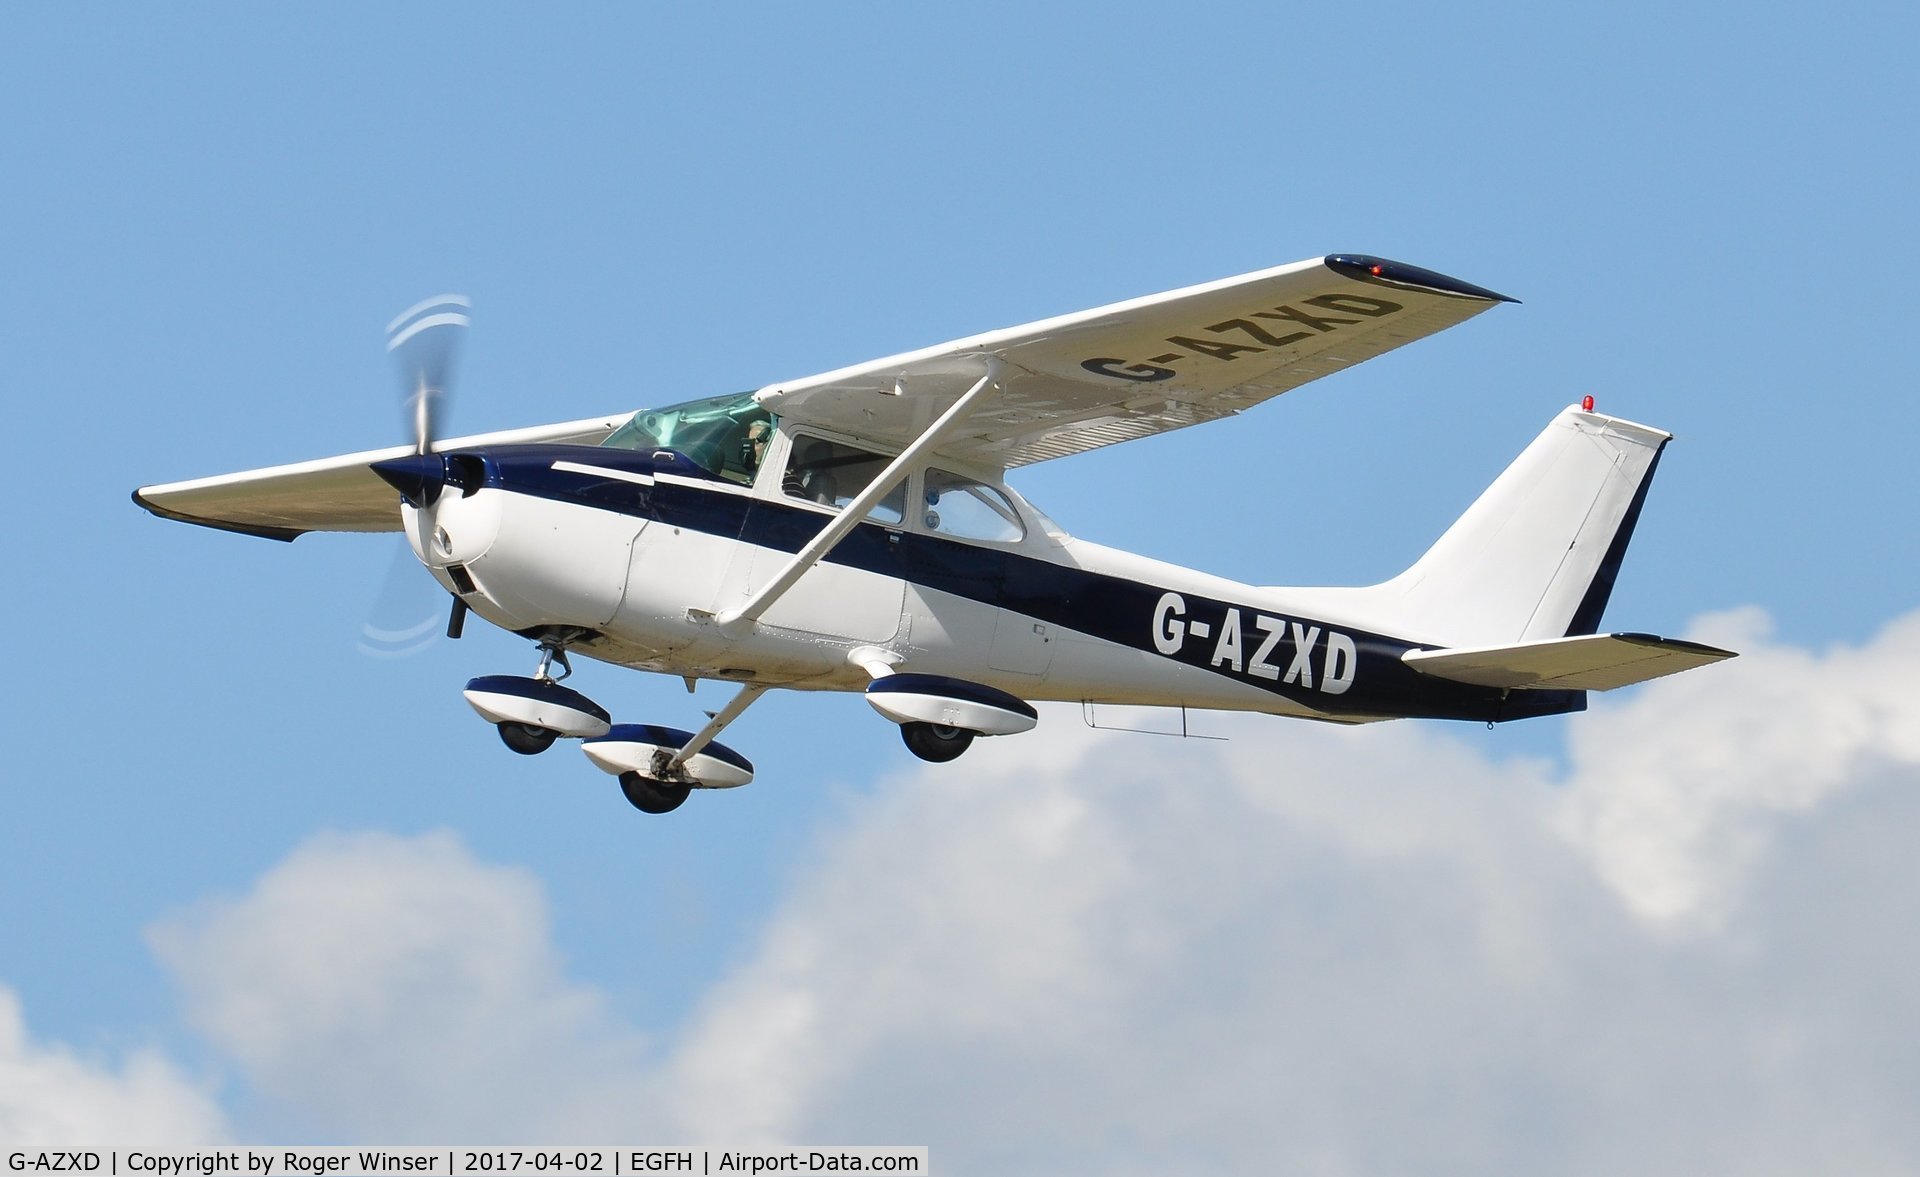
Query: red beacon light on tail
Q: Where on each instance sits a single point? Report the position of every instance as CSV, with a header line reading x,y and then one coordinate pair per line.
x,y
1586,404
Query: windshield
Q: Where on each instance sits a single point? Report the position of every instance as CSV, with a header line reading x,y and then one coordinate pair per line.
x,y
726,434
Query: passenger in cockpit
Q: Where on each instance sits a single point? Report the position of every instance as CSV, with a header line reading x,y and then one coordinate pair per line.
x,y
810,476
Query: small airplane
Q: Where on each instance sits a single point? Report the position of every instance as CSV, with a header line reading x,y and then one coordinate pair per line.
x,y
853,531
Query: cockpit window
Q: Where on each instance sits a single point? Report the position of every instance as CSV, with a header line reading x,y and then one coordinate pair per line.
x,y
728,435
969,509
833,475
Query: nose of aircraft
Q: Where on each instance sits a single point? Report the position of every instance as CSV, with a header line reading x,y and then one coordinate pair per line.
x,y
418,477
444,528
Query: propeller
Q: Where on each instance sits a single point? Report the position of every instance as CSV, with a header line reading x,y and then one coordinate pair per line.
x,y
424,342
409,613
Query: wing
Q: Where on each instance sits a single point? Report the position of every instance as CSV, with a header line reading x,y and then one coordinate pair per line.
x,y
329,494
1140,367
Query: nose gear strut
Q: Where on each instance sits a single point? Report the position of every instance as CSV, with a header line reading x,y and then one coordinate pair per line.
x,y
551,653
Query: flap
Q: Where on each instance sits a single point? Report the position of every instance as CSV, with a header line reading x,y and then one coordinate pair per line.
x,y
328,494
1596,662
1139,367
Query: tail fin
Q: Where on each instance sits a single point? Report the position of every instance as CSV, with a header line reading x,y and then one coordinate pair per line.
x,y
1536,555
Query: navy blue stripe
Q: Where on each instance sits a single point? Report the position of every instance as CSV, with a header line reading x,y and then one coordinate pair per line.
x,y
1110,608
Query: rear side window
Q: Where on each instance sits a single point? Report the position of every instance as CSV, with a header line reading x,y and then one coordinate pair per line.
x,y
833,475
967,508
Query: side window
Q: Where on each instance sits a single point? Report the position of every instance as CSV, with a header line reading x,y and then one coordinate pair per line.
x,y
967,508
832,475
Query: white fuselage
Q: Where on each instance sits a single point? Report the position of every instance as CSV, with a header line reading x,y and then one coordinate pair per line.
x,y
648,588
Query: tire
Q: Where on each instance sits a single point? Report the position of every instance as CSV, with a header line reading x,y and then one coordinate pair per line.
x,y
935,742
527,739
651,796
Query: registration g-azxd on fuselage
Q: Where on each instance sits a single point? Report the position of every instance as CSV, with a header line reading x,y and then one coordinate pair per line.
x,y
855,531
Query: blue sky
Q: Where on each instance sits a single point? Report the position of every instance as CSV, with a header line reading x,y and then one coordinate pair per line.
x,y
212,211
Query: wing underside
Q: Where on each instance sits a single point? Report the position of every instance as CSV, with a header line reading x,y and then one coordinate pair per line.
x,y
1066,384
331,494
1595,662
1140,367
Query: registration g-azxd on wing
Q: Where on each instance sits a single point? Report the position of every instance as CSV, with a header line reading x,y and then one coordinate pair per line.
x,y
855,531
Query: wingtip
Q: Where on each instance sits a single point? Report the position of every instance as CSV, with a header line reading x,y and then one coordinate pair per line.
x,y
283,534
1366,268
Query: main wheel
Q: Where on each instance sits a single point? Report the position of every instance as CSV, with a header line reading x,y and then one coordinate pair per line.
x,y
651,796
526,738
935,742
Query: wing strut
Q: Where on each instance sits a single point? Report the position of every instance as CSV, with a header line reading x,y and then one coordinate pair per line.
x,y
738,621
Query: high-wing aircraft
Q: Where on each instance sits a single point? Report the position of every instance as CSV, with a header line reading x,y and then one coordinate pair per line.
x,y
853,531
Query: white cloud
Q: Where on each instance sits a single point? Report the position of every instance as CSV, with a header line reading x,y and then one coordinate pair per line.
x,y
1377,950
1313,950
52,1097
1676,789
399,989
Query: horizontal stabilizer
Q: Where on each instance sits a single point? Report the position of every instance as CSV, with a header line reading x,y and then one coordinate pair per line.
x,y
1596,662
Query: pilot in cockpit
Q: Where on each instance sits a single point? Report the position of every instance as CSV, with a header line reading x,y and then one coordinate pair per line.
x,y
753,448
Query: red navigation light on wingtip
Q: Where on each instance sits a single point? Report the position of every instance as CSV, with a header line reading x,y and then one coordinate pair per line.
x,y
1586,404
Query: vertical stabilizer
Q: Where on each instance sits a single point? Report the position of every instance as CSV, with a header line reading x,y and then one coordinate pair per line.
x,y
1537,553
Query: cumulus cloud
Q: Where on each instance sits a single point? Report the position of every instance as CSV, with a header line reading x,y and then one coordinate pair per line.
x,y
1677,790
50,1096
1307,949
1377,950
401,990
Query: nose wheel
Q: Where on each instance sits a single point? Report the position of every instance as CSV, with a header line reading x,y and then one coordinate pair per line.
x,y
532,713
526,738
